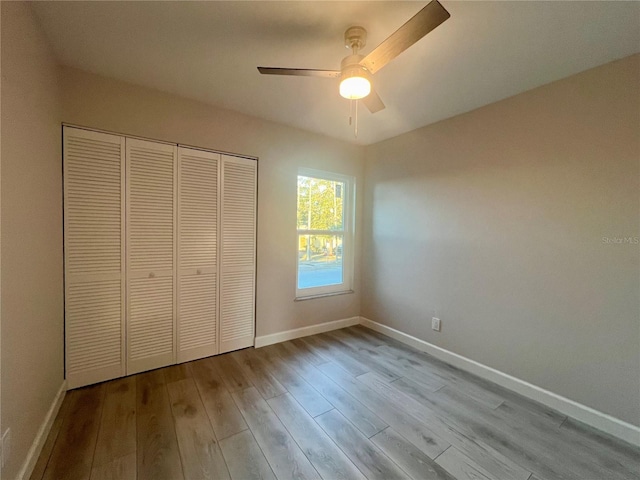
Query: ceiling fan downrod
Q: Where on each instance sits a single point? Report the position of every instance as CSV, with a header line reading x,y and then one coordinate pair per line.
x,y
355,39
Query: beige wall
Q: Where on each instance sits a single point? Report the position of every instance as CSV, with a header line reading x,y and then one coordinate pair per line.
x,y
98,102
31,256
494,222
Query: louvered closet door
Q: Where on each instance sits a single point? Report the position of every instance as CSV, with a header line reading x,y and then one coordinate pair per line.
x,y
94,249
151,207
238,253
197,254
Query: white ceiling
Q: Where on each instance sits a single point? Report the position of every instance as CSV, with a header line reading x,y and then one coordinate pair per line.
x,y
209,51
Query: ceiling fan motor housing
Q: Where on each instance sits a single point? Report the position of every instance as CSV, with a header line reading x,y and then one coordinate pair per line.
x,y
354,74
351,64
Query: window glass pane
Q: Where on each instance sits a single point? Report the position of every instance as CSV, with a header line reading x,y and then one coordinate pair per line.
x,y
320,204
319,260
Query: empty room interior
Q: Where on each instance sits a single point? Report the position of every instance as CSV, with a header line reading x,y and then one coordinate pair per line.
x,y
320,240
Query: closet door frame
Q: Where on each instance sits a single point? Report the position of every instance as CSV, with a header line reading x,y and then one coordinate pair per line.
x,y
127,365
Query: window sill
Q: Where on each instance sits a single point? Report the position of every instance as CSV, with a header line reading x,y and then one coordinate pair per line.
x,y
322,295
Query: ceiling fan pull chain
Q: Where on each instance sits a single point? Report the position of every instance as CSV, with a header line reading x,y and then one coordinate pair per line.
x,y
356,129
350,111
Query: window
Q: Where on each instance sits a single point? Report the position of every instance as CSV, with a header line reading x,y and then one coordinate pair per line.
x,y
325,233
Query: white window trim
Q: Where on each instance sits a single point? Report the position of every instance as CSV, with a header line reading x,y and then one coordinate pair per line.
x,y
348,235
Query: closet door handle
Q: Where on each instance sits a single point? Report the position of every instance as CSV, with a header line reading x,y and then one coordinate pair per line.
x,y
152,275
198,272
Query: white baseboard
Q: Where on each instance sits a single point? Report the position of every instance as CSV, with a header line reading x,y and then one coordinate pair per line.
x,y
305,331
599,420
41,437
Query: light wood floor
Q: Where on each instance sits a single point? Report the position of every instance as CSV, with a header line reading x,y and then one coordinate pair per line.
x,y
350,404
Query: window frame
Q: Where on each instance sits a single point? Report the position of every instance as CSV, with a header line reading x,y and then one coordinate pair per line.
x,y
347,232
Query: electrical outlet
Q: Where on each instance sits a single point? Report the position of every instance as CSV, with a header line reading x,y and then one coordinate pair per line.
x,y
435,324
6,446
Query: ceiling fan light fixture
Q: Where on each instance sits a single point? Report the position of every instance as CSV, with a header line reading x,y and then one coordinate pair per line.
x,y
355,82
355,88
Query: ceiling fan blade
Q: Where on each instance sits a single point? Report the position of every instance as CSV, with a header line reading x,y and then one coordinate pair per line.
x,y
300,72
373,102
417,27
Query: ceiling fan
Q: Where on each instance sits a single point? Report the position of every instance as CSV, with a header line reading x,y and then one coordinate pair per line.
x,y
356,70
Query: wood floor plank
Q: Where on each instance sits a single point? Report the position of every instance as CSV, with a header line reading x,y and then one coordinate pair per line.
x,y
515,410
462,467
323,454
538,450
287,351
305,394
244,458
411,422
535,450
364,454
404,368
358,351
450,416
385,339
418,465
366,334
256,371
316,348
45,454
222,411
393,414
232,375
359,340
615,460
201,456
281,451
363,419
370,354
620,452
157,446
449,375
175,373
457,433
333,353
344,352
299,350
522,405
121,468
72,454
309,355
380,385
117,437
